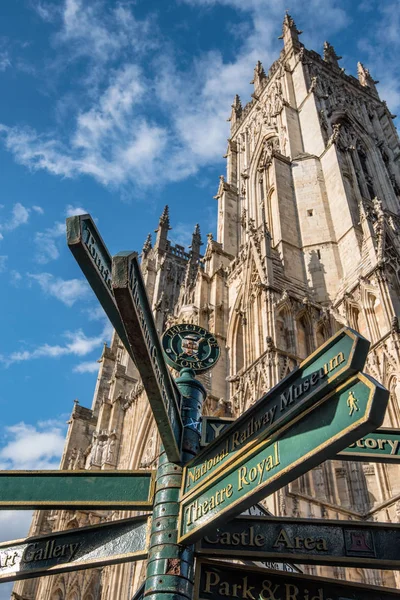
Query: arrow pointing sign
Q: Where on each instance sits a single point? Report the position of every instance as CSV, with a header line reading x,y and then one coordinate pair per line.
x,y
134,307
91,254
219,581
77,489
306,541
83,548
347,413
341,356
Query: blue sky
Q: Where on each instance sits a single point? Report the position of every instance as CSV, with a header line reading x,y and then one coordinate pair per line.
x,y
118,108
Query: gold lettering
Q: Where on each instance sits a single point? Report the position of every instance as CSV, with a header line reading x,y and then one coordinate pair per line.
x,y
283,539
212,579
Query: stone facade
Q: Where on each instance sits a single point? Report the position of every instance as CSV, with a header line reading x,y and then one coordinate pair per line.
x,y
308,223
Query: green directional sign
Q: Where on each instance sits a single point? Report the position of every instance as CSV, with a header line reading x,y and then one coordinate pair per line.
x,y
92,256
219,581
341,356
212,427
77,489
340,418
134,307
380,446
83,548
306,541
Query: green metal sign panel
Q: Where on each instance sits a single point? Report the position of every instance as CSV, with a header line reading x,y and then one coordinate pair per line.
x,y
341,356
77,489
380,446
83,548
92,256
134,307
342,417
219,581
306,541
212,427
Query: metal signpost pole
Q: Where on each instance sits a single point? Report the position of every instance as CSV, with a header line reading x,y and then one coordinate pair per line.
x,y
170,568
189,349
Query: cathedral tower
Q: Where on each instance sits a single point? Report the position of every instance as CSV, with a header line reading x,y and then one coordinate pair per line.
x,y
308,222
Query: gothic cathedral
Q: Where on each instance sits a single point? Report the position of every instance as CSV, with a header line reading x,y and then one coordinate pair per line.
x,y
308,224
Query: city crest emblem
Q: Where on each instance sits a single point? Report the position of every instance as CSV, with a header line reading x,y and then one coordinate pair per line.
x,y
190,346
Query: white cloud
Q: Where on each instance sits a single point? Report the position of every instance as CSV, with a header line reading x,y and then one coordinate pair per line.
x,y
3,263
90,30
181,234
38,209
19,216
67,291
4,60
78,344
16,277
87,367
32,447
72,211
382,49
46,11
14,525
46,243
112,138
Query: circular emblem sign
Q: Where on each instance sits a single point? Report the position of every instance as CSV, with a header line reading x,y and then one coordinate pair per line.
x,y
190,346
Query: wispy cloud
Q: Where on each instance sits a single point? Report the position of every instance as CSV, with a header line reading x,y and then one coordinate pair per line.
x,y
72,211
5,61
47,11
38,209
132,73
382,48
19,216
87,367
32,447
46,243
15,277
67,291
77,344
3,263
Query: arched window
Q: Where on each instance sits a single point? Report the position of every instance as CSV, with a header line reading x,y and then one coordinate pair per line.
x,y
304,336
322,334
238,349
373,310
285,334
57,595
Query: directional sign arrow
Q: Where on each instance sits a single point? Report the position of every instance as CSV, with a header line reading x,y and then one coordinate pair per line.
x,y
134,307
306,541
83,548
91,254
76,489
219,581
382,445
341,356
342,417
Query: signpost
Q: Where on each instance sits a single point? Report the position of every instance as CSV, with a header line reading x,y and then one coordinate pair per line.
x,y
306,541
257,510
382,445
83,548
91,254
341,356
219,581
131,490
134,307
342,417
